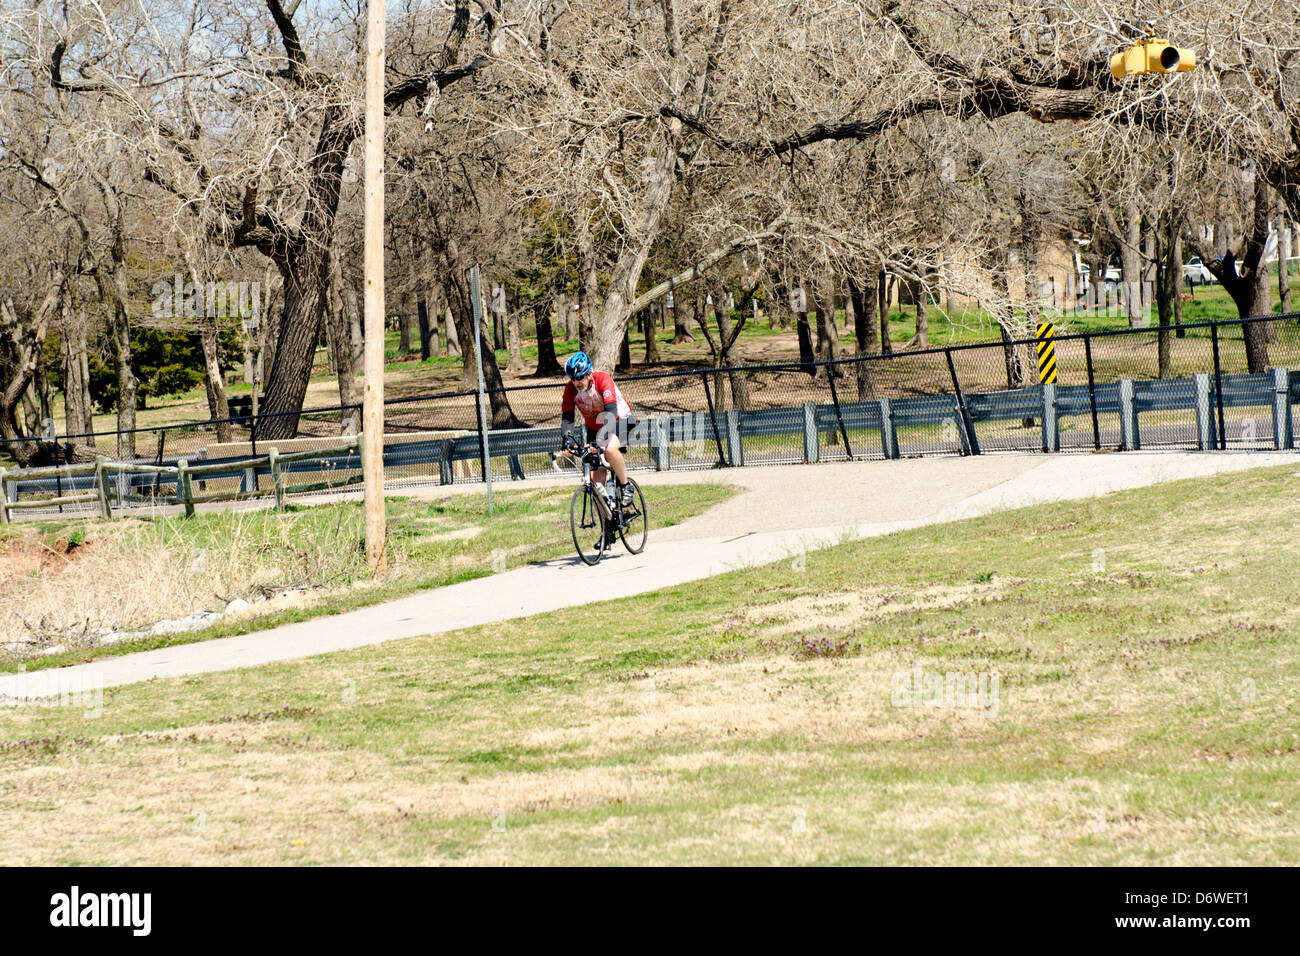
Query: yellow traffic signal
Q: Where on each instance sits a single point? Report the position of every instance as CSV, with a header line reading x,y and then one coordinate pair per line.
x,y
1152,56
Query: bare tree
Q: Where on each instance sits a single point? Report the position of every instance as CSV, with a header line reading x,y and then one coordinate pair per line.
x,y
279,192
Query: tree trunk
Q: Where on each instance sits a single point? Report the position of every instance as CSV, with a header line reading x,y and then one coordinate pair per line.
x,y
820,306
1017,359
404,324
337,314
1283,268
77,409
866,334
651,334
1131,264
356,336
327,326
1178,278
453,335
119,338
547,364
268,329
613,319
803,329
27,339
44,395
827,336
516,366
304,273
463,317
1029,263
1248,283
1168,271
807,354
426,333
625,351
458,293
728,336
435,323
568,318
882,308
1017,368
588,281
682,316
772,297
922,338
500,338
213,380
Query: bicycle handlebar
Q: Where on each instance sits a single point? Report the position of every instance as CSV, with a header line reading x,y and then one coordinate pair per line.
x,y
590,454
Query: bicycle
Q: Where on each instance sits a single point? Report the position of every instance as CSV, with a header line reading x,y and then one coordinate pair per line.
x,y
597,516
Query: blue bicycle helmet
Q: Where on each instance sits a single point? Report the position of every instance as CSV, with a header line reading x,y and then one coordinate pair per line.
x,y
577,366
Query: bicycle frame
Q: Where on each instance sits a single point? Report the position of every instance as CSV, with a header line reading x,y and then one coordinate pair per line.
x,y
592,461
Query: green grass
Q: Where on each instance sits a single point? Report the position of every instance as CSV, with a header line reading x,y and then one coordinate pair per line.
x,y
1146,713
310,561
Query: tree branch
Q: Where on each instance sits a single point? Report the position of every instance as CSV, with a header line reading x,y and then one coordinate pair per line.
x,y
772,230
821,132
297,70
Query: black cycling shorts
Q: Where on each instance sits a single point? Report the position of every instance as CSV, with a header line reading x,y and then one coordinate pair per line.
x,y
624,426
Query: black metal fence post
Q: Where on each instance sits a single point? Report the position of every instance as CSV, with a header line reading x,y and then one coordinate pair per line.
x,y
157,478
1092,392
835,398
783,394
972,443
1218,383
717,436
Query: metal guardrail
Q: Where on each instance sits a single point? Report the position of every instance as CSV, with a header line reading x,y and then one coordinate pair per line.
x,y
923,401
873,425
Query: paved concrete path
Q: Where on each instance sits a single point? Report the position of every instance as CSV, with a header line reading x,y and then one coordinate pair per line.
x,y
781,511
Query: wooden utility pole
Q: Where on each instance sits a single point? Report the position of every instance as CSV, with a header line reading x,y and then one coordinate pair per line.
x,y
372,409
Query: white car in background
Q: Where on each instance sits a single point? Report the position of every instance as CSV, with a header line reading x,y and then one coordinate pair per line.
x,y
1110,280
1196,273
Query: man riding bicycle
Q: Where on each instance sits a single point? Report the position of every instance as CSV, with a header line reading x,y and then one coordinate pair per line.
x,y
605,413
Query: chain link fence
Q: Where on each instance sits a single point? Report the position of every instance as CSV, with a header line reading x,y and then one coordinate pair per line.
x,y
1188,387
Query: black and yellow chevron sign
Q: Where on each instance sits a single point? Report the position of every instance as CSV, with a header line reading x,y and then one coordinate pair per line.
x,y
1046,353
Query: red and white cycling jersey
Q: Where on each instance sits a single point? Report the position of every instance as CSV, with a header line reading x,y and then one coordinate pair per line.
x,y
591,403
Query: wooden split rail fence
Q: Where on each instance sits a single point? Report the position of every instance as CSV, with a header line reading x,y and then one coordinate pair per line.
x,y
98,477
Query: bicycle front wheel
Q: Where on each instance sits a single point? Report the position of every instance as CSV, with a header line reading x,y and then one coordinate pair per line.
x,y
587,525
634,523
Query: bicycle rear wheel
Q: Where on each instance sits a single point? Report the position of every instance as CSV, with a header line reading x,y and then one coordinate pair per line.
x,y
634,523
587,525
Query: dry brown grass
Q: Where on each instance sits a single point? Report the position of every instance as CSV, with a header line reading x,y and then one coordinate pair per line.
x,y
130,574
1146,717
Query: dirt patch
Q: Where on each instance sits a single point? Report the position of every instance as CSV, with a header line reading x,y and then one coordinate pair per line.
x,y
25,556
849,608
464,534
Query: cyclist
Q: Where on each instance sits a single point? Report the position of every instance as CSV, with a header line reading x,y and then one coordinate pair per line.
x,y
606,414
